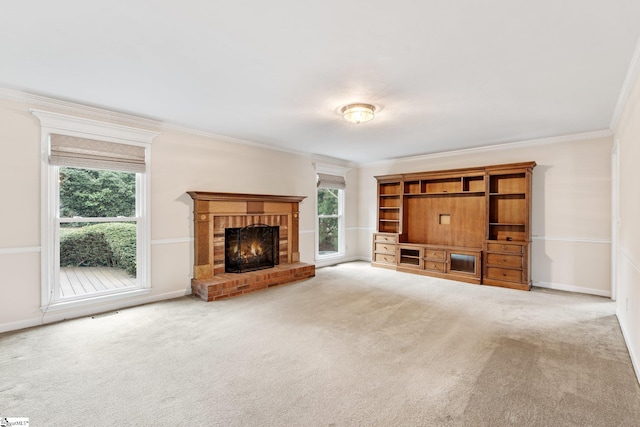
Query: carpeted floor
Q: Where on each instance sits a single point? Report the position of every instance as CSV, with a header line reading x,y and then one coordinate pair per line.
x,y
354,346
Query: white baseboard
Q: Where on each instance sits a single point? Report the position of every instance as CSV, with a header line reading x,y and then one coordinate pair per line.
x,y
634,361
546,285
572,288
339,260
53,317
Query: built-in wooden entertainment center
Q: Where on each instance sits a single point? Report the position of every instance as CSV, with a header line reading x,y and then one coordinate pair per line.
x,y
470,224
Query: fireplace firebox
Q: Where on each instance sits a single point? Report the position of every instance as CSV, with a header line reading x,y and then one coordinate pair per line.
x,y
254,247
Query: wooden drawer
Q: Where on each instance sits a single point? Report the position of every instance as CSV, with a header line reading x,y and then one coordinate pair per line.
x,y
434,266
434,253
504,247
504,274
385,238
384,258
503,260
385,247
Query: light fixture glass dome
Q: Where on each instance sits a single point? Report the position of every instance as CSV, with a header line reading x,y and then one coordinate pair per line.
x,y
358,113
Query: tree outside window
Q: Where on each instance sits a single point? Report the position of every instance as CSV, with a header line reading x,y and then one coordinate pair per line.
x,y
328,220
86,195
96,193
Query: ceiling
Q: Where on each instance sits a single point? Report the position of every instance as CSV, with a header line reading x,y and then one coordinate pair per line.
x,y
445,75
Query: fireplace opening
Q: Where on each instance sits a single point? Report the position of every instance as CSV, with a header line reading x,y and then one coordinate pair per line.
x,y
254,247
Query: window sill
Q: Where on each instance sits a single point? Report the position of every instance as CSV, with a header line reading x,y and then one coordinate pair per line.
x,y
95,300
330,259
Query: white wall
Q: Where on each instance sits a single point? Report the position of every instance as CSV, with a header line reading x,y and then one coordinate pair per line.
x,y
570,204
627,134
181,161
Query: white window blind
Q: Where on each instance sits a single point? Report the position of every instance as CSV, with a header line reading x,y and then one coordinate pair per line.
x,y
90,153
331,181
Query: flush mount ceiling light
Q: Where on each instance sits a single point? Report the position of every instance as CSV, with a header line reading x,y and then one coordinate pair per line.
x,y
358,113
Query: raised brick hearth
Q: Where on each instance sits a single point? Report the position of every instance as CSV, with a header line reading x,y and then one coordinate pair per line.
x,y
230,284
213,212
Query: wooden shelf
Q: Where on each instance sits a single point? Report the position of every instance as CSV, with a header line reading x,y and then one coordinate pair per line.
x,y
446,193
479,211
444,185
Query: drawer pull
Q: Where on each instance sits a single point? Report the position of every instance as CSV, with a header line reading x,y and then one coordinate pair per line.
x,y
504,248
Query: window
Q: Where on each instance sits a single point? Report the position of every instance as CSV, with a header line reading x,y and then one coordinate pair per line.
x,y
96,232
329,221
95,210
330,234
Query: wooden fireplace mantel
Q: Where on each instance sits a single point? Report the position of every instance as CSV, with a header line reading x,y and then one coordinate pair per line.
x,y
213,212
241,197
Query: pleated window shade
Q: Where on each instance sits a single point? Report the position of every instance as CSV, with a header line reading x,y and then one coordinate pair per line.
x,y
331,181
93,154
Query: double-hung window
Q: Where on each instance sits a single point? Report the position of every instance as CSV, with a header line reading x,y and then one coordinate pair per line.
x,y
95,211
330,236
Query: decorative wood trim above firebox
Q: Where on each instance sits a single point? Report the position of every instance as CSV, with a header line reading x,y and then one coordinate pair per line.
x,y
213,212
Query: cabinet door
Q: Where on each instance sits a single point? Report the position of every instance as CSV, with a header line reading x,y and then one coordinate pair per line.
x,y
463,262
410,257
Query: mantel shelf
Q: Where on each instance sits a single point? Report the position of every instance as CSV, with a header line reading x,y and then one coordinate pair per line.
x,y
241,197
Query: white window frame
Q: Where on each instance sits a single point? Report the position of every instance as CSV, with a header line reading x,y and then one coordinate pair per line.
x,y
62,124
328,259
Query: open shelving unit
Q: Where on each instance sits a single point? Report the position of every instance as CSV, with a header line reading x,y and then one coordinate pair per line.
x,y
445,186
467,224
507,246
389,207
507,207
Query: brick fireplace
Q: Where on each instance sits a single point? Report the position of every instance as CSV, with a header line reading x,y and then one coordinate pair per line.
x,y
214,213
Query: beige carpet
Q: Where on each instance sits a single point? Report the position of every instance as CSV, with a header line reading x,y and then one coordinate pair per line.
x,y
354,346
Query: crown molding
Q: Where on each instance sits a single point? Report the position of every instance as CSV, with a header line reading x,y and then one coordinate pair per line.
x,y
629,81
127,119
80,109
605,133
169,127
